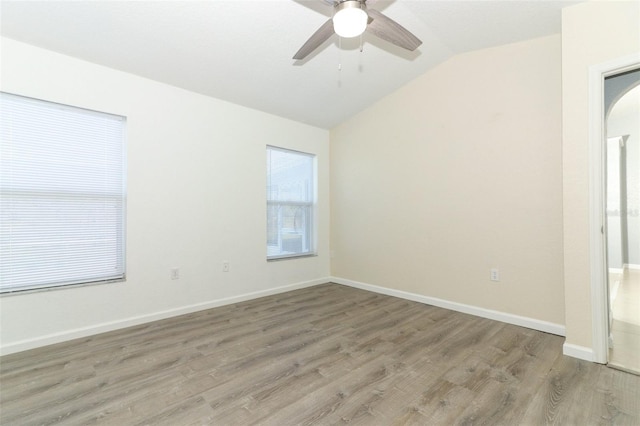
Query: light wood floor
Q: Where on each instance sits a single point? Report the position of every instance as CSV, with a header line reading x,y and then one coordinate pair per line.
x,y
324,355
625,327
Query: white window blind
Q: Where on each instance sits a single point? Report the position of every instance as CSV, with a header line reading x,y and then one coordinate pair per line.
x,y
290,203
62,195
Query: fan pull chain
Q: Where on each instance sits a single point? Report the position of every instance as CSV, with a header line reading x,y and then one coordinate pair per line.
x,y
361,42
339,79
339,53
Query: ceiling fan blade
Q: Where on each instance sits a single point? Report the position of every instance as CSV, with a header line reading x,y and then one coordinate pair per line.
x,y
389,30
319,37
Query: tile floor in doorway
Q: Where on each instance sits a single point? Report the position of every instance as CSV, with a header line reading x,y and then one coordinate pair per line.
x,y
625,328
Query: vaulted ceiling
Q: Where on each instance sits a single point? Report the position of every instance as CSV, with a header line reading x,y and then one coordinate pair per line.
x,y
241,51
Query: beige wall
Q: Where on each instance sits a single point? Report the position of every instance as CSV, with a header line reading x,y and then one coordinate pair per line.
x,y
196,196
592,33
455,173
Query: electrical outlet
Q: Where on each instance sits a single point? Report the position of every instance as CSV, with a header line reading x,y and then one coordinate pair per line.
x,y
225,266
495,274
175,273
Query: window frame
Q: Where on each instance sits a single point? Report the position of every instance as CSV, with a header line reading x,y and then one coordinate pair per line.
x,y
310,206
118,199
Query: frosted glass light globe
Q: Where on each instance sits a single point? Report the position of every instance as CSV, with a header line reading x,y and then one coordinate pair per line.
x,y
350,20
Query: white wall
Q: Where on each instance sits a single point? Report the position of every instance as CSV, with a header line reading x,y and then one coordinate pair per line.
x,y
458,172
593,33
624,119
615,251
196,197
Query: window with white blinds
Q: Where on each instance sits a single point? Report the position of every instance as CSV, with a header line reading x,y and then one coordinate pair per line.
x,y
62,195
290,203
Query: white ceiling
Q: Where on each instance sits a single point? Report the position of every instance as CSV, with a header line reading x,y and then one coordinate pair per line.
x,y
241,50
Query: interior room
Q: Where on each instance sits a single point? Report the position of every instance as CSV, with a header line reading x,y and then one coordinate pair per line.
x,y
456,253
623,246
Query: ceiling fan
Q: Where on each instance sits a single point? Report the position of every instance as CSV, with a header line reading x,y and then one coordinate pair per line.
x,y
351,18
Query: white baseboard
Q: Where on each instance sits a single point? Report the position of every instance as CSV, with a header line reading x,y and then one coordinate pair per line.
x,y
580,352
547,327
50,339
631,266
535,324
616,270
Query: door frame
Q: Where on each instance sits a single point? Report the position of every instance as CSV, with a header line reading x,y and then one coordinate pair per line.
x,y
597,214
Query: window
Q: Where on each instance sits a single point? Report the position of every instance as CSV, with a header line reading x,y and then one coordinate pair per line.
x,y
62,196
290,203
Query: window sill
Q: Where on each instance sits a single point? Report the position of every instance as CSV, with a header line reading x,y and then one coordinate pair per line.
x,y
296,256
59,287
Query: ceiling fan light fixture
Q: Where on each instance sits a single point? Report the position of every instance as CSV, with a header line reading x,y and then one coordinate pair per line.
x,y
350,19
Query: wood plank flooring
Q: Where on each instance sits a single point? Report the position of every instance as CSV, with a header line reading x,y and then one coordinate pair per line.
x,y
329,354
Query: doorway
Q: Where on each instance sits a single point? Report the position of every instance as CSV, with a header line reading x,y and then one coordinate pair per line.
x,y
622,218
